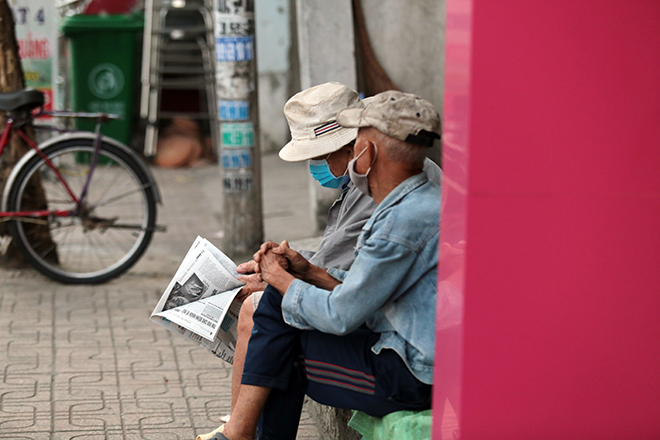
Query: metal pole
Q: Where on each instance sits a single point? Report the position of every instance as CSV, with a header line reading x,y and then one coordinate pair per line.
x,y
236,77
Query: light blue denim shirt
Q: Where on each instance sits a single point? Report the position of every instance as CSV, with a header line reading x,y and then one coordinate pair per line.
x,y
392,284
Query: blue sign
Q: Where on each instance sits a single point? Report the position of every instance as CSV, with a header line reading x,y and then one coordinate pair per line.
x,y
234,110
236,158
234,48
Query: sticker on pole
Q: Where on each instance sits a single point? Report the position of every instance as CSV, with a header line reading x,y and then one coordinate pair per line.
x,y
234,182
234,17
234,48
237,134
234,81
233,110
234,7
236,158
230,24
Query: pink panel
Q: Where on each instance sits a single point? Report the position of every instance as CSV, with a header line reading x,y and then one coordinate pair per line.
x,y
554,110
446,397
558,342
560,86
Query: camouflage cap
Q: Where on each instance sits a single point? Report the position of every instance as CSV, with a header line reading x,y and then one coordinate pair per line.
x,y
402,116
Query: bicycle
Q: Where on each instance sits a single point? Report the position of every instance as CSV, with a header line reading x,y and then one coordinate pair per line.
x,y
100,197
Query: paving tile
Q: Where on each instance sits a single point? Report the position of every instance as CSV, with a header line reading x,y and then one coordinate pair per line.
x,y
25,416
191,356
148,360
86,363
211,382
21,436
206,411
89,435
171,434
87,357
91,385
155,413
136,339
27,350
87,415
150,384
25,388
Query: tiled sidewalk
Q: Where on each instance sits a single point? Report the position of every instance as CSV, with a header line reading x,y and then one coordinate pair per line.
x,y
85,362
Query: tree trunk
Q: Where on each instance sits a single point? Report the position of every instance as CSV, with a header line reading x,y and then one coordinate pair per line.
x,y
11,79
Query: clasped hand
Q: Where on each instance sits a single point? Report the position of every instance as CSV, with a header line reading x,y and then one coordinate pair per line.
x,y
279,264
253,281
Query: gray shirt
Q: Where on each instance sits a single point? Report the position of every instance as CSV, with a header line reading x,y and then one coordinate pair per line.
x,y
349,212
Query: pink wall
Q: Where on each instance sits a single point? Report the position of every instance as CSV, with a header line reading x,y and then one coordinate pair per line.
x,y
552,179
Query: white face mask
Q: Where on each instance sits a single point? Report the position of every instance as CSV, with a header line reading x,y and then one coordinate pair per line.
x,y
360,180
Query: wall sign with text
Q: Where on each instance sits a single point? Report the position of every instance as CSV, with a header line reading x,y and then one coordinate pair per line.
x,y
36,34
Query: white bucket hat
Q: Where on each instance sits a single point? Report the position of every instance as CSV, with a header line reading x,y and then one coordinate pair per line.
x,y
311,115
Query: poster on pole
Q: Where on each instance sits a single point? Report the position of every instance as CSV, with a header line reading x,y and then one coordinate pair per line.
x,y
36,34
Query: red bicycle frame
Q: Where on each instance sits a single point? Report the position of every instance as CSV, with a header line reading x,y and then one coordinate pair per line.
x,y
6,136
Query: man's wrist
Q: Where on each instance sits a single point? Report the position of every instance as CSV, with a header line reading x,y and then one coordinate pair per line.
x,y
313,274
320,277
281,280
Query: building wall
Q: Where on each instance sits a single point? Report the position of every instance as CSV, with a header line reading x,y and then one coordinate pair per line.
x,y
273,33
408,40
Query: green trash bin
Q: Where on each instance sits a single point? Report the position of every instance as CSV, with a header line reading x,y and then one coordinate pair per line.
x,y
103,59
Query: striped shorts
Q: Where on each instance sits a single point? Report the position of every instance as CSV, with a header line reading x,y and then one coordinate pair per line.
x,y
340,371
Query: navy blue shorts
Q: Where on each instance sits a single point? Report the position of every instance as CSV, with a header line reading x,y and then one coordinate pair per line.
x,y
339,371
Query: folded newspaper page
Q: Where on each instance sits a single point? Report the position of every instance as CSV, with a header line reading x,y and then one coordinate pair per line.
x,y
198,304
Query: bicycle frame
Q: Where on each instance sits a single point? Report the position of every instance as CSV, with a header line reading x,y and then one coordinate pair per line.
x,y
6,136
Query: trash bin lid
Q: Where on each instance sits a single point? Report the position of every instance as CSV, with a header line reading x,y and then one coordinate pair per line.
x,y
91,23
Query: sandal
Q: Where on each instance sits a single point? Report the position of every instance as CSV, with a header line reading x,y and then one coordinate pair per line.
x,y
212,435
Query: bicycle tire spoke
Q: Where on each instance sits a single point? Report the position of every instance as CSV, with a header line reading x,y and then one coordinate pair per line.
x,y
121,196
112,234
57,243
60,191
120,172
96,248
57,187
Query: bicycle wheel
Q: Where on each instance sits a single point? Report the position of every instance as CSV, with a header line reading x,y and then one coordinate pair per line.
x,y
111,231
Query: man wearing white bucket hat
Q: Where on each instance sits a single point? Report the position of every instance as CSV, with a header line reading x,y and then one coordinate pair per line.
x,y
363,338
316,137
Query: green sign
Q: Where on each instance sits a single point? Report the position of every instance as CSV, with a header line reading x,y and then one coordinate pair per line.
x,y
237,135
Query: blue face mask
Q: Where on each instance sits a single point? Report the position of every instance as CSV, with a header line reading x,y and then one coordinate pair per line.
x,y
321,172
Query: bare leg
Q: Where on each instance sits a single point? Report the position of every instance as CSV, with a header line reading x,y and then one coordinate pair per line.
x,y
245,325
245,414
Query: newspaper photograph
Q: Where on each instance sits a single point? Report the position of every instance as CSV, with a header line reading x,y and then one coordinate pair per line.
x,y
199,301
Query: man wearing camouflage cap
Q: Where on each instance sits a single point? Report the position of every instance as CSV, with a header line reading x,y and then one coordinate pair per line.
x,y
365,337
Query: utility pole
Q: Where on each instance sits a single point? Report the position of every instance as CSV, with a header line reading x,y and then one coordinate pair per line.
x,y
236,78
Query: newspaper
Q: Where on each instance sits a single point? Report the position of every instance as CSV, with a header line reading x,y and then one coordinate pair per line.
x,y
198,304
